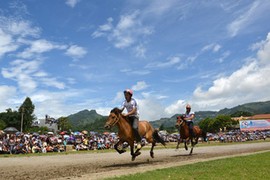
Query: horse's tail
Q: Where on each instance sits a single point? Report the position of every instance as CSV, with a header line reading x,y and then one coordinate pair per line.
x,y
157,138
204,136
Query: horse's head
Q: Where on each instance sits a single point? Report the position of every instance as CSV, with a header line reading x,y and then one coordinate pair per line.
x,y
180,120
113,118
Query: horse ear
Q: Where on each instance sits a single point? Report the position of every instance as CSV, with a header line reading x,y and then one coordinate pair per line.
x,y
115,111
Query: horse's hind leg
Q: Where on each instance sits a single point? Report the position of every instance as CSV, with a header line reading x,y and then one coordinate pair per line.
x,y
192,146
191,150
152,150
186,147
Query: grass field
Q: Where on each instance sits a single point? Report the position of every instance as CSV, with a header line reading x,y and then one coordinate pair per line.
x,y
256,166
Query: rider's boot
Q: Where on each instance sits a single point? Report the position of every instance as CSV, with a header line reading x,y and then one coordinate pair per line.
x,y
138,138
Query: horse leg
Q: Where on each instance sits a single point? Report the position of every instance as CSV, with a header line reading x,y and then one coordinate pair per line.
x,y
120,151
178,144
133,155
186,147
152,150
192,146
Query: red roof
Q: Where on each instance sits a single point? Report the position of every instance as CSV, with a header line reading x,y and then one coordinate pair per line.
x,y
260,116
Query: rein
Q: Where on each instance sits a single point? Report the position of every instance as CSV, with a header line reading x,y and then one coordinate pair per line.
x,y
116,121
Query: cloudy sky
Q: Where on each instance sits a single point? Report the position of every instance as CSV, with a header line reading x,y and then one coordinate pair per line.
x,y
71,55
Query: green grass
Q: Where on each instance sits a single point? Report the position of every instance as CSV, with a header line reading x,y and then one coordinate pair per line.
x,y
256,166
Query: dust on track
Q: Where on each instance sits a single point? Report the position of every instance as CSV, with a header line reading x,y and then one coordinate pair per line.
x,y
101,165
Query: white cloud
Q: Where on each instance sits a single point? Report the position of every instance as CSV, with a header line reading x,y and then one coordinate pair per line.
x,y
75,51
28,75
7,93
6,43
103,29
38,47
17,27
247,17
140,51
141,85
176,107
150,109
172,61
211,47
72,3
126,32
247,84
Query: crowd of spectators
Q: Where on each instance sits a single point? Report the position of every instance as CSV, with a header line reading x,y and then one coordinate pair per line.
x,y
239,136
34,143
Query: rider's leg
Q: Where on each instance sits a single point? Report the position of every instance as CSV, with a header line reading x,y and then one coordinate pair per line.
x,y
136,131
190,125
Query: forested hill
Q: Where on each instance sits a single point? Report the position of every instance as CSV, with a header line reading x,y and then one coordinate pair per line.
x,y
84,118
91,120
252,108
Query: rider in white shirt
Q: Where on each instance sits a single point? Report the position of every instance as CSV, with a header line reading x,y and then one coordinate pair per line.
x,y
189,116
133,114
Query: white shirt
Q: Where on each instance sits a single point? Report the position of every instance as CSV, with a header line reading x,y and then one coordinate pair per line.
x,y
189,115
130,106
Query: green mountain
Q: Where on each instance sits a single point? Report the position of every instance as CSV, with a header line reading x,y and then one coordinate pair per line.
x,y
84,118
93,121
253,108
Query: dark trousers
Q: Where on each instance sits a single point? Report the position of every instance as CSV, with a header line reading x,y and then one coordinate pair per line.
x,y
134,122
190,127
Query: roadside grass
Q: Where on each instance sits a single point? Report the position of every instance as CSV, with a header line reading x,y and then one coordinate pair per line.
x,y
171,145
256,166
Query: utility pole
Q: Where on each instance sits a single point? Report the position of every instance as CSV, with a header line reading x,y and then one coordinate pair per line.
x,y
22,119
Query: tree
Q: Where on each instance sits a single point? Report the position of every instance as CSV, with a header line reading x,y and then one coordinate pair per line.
x,y
241,113
26,111
64,124
10,118
217,123
2,124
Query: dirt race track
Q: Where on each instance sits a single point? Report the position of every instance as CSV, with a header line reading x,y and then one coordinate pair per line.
x,y
101,165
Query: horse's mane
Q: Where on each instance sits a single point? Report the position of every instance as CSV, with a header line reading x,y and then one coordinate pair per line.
x,y
116,110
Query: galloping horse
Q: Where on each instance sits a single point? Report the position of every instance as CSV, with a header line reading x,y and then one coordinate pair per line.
x,y
186,136
125,132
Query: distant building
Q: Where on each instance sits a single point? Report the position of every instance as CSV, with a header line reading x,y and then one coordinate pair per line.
x,y
48,122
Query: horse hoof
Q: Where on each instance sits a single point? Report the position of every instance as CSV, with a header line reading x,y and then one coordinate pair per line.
x,y
152,155
137,153
133,158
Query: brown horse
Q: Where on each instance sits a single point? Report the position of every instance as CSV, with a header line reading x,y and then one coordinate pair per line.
x,y
181,124
125,133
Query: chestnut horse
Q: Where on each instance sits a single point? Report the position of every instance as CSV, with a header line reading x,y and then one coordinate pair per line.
x,y
125,133
181,124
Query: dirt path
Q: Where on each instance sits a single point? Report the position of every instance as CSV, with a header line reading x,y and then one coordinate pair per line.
x,y
100,165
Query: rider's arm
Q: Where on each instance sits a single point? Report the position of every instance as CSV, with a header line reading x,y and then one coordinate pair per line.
x,y
132,112
190,118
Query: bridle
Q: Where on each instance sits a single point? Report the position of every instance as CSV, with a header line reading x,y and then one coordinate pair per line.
x,y
179,121
114,121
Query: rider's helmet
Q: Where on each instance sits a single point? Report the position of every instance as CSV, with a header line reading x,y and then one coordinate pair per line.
x,y
128,91
188,106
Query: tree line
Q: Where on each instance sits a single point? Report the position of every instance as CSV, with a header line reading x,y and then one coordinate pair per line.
x,y
23,119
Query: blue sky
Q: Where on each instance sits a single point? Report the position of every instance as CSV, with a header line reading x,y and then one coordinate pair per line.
x,y
71,55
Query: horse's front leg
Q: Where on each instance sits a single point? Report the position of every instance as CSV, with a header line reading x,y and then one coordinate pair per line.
x,y
133,154
178,143
120,151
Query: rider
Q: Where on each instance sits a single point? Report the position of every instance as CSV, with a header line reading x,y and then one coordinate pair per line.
x,y
189,116
133,114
